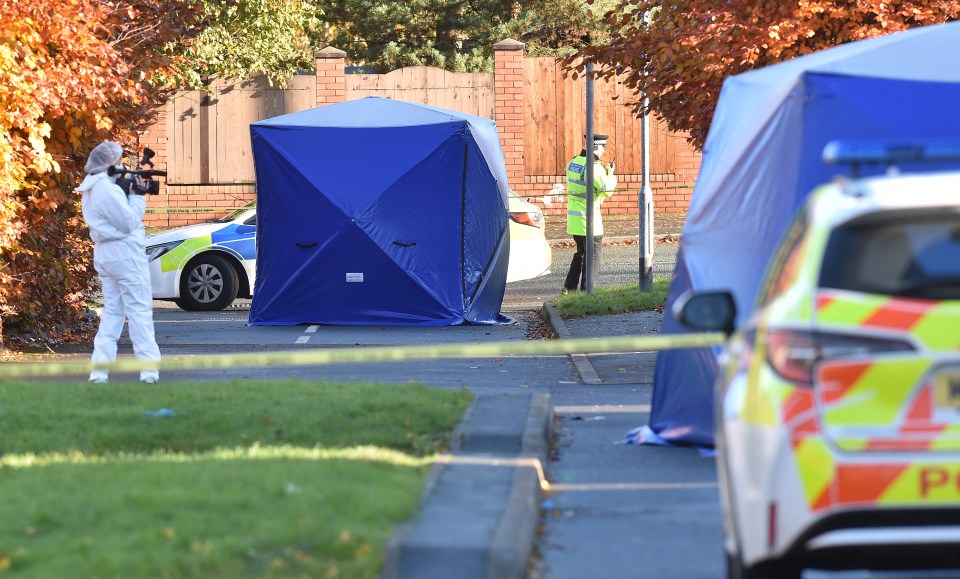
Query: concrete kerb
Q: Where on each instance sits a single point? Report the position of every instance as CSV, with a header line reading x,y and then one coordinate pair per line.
x,y
480,508
588,375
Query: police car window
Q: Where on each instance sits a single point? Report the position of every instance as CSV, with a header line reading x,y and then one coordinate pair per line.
x,y
252,220
904,255
783,266
235,213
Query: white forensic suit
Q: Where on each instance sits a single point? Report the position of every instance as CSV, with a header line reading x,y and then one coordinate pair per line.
x,y
119,256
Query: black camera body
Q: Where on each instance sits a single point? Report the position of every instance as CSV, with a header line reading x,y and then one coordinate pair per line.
x,y
126,181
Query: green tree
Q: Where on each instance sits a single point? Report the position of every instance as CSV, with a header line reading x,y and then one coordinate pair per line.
x,y
682,52
277,38
455,35
246,38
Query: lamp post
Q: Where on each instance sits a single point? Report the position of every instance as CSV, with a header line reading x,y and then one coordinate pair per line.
x,y
588,254
645,198
645,208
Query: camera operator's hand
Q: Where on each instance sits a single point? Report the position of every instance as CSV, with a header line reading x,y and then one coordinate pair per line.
x,y
139,186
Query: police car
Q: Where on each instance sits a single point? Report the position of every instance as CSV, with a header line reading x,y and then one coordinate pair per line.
x,y
207,266
838,402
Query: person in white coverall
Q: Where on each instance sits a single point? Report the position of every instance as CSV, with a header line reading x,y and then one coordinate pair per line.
x,y
114,217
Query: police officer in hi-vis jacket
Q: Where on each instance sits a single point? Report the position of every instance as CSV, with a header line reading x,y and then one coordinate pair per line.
x,y
604,184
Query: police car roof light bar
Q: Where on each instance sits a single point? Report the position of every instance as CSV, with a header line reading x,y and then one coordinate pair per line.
x,y
885,152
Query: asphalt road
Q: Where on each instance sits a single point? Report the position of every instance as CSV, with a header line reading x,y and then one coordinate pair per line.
x,y
193,333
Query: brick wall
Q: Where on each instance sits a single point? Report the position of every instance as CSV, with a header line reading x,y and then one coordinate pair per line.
x,y
671,191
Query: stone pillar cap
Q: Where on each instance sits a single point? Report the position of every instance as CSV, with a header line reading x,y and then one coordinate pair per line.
x,y
508,44
329,52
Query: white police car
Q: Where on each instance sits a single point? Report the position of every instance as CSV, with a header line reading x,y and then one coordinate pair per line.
x,y
205,267
838,402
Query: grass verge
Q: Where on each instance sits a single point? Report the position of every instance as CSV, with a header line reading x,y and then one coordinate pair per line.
x,y
613,300
246,479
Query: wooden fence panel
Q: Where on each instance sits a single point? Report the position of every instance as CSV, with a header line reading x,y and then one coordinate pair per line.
x,y
300,94
555,109
541,129
183,129
470,93
210,130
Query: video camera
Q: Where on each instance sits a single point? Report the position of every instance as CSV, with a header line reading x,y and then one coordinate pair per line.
x,y
151,187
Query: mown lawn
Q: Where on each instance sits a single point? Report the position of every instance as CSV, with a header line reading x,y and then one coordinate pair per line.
x,y
245,479
613,300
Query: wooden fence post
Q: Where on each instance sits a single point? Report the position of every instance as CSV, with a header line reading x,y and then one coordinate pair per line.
x,y
508,108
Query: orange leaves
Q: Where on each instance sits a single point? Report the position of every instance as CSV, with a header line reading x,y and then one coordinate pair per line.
x,y
71,75
691,46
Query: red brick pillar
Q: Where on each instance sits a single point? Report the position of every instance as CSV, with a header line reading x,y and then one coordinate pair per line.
x,y
331,82
508,106
155,137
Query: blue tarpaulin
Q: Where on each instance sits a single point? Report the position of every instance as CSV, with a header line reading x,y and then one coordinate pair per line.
x,y
379,212
762,157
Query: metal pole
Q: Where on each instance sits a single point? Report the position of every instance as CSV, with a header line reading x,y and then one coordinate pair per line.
x,y
588,256
645,200
645,208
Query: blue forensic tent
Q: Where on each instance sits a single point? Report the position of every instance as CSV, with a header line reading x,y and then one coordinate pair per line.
x,y
762,157
379,212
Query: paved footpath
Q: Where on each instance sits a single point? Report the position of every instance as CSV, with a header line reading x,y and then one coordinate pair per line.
x,y
611,510
618,510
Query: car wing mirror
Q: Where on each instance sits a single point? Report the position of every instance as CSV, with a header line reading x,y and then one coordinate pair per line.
x,y
714,311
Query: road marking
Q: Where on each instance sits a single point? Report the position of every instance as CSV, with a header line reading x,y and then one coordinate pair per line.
x,y
603,409
311,329
560,487
303,339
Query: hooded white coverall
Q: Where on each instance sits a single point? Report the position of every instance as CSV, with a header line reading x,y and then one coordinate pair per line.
x,y
119,256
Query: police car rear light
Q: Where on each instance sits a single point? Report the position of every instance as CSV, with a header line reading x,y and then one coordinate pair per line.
x,y
793,353
531,218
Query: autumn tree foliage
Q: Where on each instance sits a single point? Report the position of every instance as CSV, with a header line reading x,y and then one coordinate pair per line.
x,y
680,51
72,74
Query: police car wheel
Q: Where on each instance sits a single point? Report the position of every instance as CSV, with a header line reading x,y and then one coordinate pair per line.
x,y
208,283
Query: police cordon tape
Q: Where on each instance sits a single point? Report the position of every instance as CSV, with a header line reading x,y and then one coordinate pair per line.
x,y
354,355
194,209
213,209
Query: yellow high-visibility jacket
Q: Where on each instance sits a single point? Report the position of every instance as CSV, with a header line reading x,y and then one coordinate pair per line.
x,y
604,184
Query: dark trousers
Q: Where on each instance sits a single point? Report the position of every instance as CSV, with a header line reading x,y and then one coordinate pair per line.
x,y
578,269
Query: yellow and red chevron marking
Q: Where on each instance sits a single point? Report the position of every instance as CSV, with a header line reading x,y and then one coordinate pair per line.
x,y
891,484
893,398
813,458
918,431
828,481
932,322
799,415
837,380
